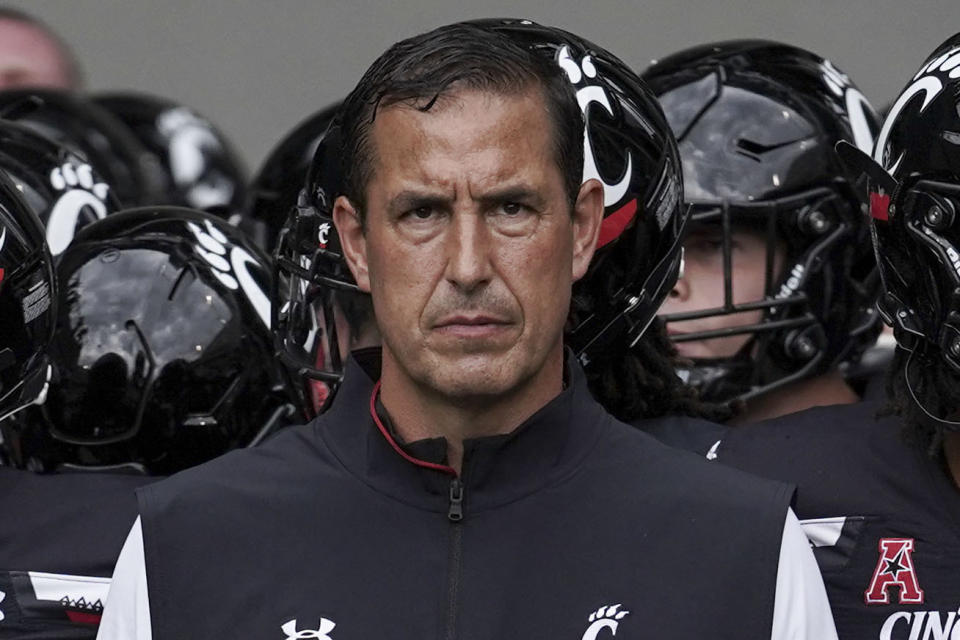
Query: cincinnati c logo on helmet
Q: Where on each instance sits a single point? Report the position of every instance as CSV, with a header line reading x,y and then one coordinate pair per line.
x,y
323,235
229,264
855,103
588,94
929,81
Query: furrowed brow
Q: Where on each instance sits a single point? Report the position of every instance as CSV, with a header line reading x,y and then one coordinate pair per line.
x,y
409,199
512,193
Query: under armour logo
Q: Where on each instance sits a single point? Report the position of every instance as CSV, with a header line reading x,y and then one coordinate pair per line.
x,y
587,95
290,628
605,618
930,82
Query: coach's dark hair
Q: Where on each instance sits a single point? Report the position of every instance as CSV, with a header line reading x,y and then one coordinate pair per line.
x,y
74,72
423,69
937,388
642,382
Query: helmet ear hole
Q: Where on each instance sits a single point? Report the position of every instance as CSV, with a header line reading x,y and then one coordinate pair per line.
x,y
936,212
804,345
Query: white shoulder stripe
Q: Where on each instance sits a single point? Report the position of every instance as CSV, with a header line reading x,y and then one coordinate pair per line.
x,y
56,587
823,532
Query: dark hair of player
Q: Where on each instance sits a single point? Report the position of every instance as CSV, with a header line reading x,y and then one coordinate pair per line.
x,y
73,69
642,382
424,69
935,388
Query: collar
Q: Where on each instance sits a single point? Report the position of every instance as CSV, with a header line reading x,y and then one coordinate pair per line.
x,y
496,469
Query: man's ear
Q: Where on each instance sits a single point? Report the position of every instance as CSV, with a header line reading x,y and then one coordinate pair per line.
x,y
352,240
587,216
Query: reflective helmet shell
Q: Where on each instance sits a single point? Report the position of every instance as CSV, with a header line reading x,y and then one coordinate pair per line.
x,y
163,356
756,123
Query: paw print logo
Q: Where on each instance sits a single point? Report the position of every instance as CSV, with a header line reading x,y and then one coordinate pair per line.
x,y
605,618
81,193
855,104
230,265
580,76
929,81
321,633
190,136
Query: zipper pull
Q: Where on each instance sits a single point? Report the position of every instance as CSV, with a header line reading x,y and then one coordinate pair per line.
x,y
455,513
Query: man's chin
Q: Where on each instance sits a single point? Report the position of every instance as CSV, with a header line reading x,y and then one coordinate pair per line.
x,y
474,376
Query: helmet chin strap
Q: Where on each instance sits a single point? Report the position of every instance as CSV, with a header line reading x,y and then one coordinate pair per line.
x,y
952,425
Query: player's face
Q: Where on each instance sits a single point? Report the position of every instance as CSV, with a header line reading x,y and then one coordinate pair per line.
x,y
702,287
28,58
470,247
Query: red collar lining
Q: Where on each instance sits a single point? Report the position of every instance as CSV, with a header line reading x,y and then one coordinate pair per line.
x,y
393,443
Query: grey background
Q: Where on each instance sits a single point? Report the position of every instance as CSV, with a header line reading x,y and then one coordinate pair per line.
x,y
257,67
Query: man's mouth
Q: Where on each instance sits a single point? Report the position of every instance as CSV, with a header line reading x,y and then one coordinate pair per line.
x,y
472,325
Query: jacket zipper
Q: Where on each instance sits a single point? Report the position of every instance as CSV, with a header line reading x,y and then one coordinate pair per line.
x,y
455,516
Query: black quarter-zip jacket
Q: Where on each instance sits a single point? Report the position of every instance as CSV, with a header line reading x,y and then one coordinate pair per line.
x,y
572,526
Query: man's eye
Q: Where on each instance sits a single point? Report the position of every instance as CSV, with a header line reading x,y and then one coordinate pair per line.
x,y
422,213
512,208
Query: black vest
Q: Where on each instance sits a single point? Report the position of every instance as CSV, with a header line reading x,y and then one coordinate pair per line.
x,y
890,557
56,532
572,526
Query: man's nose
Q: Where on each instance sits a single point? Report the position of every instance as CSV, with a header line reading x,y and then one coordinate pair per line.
x,y
468,247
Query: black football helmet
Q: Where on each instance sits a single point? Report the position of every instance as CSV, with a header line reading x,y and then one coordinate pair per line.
x,y
192,161
163,356
28,292
276,187
312,278
628,146
58,183
914,202
756,123
77,123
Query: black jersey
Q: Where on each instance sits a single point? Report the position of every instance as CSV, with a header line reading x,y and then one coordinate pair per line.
x,y
883,516
60,535
571,526
688,434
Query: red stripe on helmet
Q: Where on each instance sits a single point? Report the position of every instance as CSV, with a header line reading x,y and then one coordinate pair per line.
x,y
880,206
614,224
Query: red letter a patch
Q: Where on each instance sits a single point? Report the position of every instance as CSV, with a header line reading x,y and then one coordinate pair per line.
x,y
895,569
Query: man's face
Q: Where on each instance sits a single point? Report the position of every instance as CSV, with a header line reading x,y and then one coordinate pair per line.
x,y
470,247
702,287
28,58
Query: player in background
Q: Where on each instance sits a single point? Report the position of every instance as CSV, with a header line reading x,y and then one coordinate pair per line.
x,y
60,534
879,482
779,282
33,55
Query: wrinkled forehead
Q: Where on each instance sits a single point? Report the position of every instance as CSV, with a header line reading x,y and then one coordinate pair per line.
x,y
486,134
